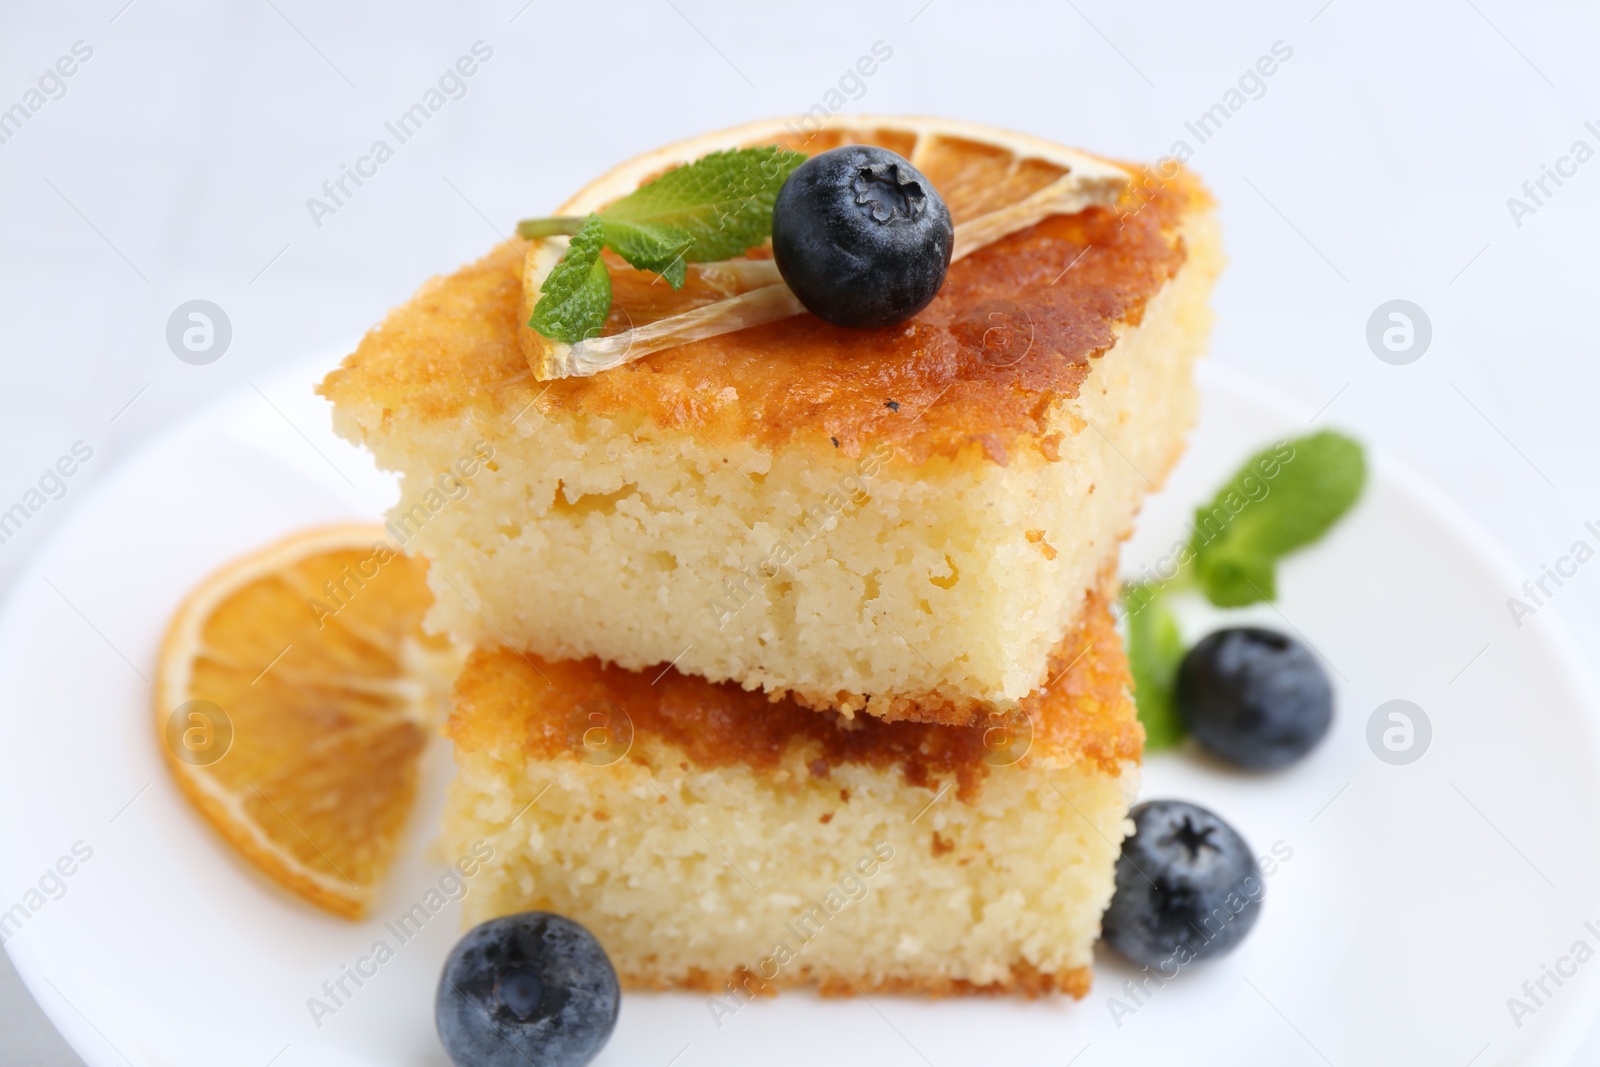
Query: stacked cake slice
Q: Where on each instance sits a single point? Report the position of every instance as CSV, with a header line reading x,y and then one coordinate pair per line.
x,y
794,659
762,842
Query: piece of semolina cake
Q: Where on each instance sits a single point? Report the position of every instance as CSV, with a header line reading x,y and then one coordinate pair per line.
x,y
707,837
904,520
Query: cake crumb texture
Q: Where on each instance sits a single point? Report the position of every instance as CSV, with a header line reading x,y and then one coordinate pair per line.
x,y
706,840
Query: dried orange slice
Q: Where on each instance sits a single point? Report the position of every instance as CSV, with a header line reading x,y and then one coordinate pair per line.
x,y
294,695
995,183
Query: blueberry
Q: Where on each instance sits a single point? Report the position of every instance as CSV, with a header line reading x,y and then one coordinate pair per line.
x,y
861,236
1254,697
1188,887
529,988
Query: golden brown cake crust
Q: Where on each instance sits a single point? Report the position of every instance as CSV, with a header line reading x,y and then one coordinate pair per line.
x,y
1026,980
1085,714
924,386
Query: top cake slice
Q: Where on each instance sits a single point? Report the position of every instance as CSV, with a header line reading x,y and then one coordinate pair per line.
x,y
903,520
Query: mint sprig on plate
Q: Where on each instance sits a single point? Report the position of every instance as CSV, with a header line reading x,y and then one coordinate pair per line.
x,y
1282,499
1155,649
1307,485
712,209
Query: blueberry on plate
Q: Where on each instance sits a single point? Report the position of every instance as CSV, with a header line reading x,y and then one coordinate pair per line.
x,y
861,236
1255,698
529,988
1188,888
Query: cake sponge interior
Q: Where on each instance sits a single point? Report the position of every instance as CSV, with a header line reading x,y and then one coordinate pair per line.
x,y
713,841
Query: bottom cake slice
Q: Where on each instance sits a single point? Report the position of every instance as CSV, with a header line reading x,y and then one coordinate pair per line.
x,y
714,840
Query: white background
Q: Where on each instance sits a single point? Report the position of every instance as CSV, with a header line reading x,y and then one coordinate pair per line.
x,y
1376,165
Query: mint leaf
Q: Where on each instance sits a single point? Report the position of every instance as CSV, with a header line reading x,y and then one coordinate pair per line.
x,y
722,201
533,229
650,246
576,297
714,208
1155,649
1282,499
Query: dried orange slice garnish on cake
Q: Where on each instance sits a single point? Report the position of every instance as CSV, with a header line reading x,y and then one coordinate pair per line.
x,y
294,696
994,182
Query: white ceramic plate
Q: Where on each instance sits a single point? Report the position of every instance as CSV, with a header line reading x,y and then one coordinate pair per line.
x,y
1415,900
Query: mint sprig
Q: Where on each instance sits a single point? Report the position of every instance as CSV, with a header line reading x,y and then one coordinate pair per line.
x,y
712,209
722,202
1155,649
650,246
1282,499
576,297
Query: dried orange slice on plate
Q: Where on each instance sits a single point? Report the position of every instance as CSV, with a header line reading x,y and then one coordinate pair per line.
x,y
995,183
294,696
